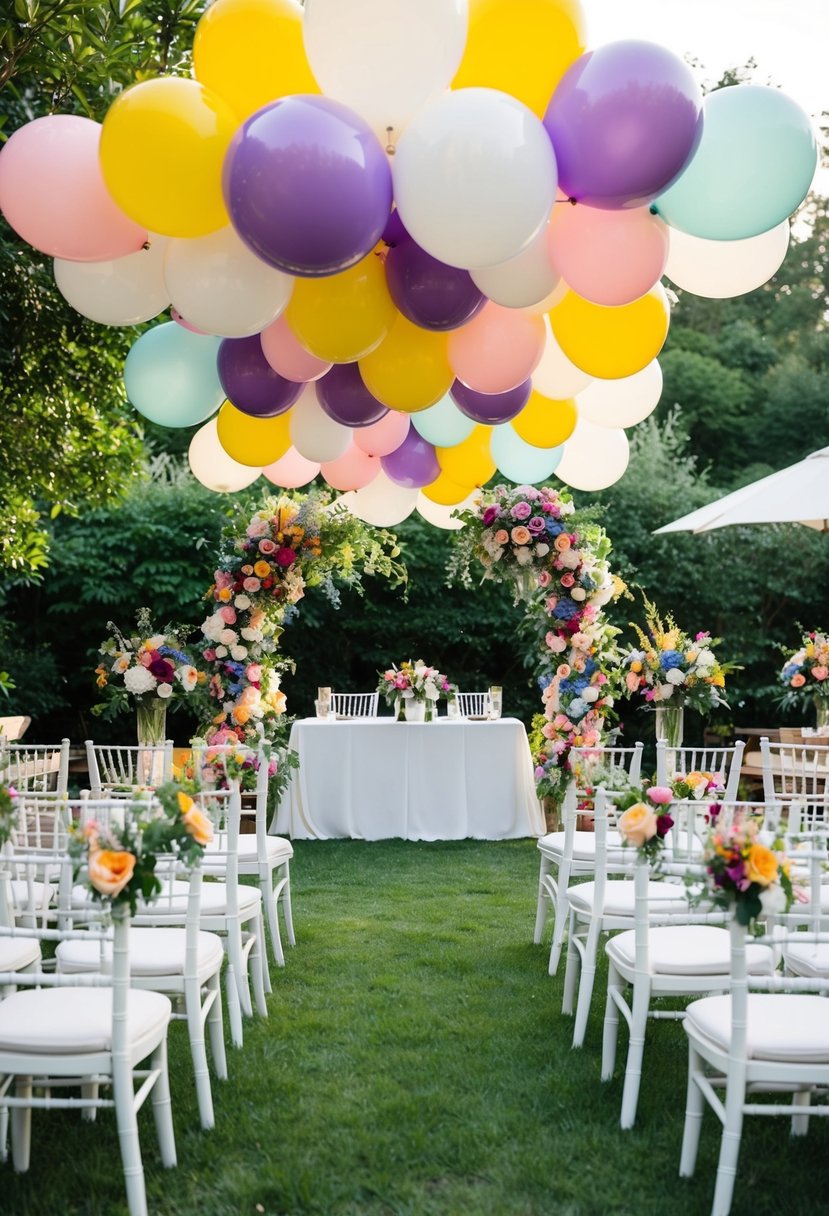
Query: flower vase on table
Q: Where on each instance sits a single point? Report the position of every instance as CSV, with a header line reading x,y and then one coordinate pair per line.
x,y
415,710
670,722
151,728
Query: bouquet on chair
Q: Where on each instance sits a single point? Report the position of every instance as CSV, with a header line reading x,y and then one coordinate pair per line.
x,y
745,873
149,663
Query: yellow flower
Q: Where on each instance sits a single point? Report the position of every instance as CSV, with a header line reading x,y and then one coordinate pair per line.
x,y
110,870
761,865
101,673
195,820
261,569
636,666
691,655
718,680
224,595
810,650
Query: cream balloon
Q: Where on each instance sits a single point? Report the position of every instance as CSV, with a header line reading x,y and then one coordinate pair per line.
x,y
383,503
594,457
622,403
524,281
314,434
721,269
211,465
441,516
555,376
221,287
126,291
386,59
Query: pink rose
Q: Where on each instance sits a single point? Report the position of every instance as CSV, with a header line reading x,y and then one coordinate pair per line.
x,y
545,578
661,795
502,536
550,602
632,681
223,578
228,614
254,673
267,547
258,527
820,673
251,584
209,654
567,580
520,535
521,510
555,643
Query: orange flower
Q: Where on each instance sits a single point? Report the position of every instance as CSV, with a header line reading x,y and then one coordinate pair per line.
x,y
761,865
240,714
195,820
637,824
562,542
261,569
110,870
225,595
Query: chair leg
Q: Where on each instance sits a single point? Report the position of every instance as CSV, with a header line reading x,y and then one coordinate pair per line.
x,y
571,973
636,1051
694,1110
123,1092
239,967
287,910
269,898
259,967
21,1121
215,1027
4,1134
163,1107
561,915
234,1008
90,1090
588,976
800,1122
541,906
610,1032
198,1053
729,1146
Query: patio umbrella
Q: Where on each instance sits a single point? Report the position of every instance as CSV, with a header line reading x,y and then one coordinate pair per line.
x,y
796,495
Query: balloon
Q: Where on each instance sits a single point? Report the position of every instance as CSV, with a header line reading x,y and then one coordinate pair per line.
x,y
313,433
594,457
307,185
250,382
221,287
413,464
622,403
524,280
545,423
497,350
250,52
474,178
491,408
382,503
183,322
291,470
469,463
394,231
410,369
609,257
385,58
343,317
721,269
52,192
351,471
253,441
162,148
428,292
170,376
556,377
384,436
753,167
445,492
521,47
126,291
612,342
442,516
344,397
286,356
443,424
519,461
624,121
211,465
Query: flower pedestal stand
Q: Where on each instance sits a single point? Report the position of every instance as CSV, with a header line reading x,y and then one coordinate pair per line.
x,y
151,727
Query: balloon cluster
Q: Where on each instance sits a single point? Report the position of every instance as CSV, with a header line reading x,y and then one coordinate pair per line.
x,y
405,245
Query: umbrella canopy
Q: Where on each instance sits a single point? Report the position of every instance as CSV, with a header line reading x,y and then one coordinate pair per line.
x,y
796,495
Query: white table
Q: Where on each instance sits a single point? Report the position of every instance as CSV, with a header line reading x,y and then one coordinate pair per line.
x,y
375,778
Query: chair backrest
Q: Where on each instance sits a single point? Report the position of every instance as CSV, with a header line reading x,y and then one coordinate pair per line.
x,y
123,770
36,768
721,762
796,772
354,704
14,727
611,767
474,704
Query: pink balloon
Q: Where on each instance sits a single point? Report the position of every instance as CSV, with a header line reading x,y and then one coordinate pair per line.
x,y
609,257
384,436
52,192
351,471
179,320
291,470
498,349
285,355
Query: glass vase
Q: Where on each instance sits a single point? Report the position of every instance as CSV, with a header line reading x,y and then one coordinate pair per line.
x,y
431,710
525,583
151,728
415,710
670,721
822,715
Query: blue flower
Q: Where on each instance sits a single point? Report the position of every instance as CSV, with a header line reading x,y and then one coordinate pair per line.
x,y
544,682
670,659
565,609
553,526
170,653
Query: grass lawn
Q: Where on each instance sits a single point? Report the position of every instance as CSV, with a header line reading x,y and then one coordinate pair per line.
x,y
416,1063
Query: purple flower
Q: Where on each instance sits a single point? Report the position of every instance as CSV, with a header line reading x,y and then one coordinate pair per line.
x,y
536,525
490,515
521,510
664,823
163,670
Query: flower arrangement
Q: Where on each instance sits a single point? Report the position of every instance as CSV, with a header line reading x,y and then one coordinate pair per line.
x,y
414,680
745,873
645,819
150,663
696,786
805,674
670,666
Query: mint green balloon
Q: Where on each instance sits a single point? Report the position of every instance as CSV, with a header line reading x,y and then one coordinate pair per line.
x,y
753,167
519,460
443,424
171,377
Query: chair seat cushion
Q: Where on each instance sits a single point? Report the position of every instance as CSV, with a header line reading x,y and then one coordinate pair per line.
x,y
153,952
787,1027
619,897
811,959
584,844
687,950
69,1021
278,849
173,901
18,952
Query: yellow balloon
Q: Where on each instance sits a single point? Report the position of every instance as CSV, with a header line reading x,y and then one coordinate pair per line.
x,y
251,52
446,492
255,442
409,370
469,463
343,316
612,342
522,47
545,423
162,148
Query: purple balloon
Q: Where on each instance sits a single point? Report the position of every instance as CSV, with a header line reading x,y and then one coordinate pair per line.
x,y
491,408
394,232
413,464
250,382
343,395
307,185
430,293
625,120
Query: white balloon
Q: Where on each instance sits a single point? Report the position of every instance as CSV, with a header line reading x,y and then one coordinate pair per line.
x,y
314,434
556,377
386,59
441,516
475,178
624,402
211,465
721,269
221,288
383,503
524,281
125,291
594,457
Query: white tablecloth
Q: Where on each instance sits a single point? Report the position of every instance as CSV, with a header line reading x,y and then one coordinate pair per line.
x,y
443,780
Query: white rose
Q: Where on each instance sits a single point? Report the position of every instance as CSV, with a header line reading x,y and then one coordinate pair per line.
x,y
238,653
542,549
675,676
609,701
221,652
706,658
139,680
523,556
666,691
577,708
228,637
569,559
773,900
252,635
165,691
242,602
590,695
578,593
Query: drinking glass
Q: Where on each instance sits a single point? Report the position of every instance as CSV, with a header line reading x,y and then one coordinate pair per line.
x,y
495,695
452,709
323,708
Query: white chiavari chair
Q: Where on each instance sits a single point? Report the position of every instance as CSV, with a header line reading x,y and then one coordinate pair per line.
x,y
123,770
36,768
724,763
796,775
354,704
474,704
